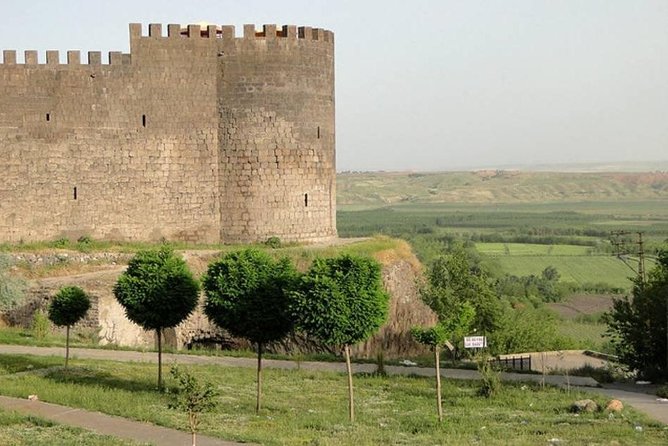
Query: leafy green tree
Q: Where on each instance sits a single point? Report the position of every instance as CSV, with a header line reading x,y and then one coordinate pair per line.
x,y
247,294
638,325
529,329
454,282
67,308
341,302
551,274
158,291
193,397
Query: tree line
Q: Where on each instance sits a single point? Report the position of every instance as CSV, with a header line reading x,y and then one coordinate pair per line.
x,y
339,301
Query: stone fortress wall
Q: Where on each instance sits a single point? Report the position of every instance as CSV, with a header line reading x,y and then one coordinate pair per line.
x,y
195,135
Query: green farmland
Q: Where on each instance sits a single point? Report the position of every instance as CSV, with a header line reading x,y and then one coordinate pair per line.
x,y
577,269
574,263
522,222
527,249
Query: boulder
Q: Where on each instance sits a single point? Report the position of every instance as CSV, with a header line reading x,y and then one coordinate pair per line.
x,y
584,406
614,406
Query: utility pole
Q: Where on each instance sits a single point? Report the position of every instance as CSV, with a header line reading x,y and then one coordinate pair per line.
x,y
619,240
626,244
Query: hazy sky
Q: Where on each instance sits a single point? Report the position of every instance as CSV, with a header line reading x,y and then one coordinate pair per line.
x,y
438,84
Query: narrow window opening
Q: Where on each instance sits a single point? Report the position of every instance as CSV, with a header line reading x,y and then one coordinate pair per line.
x,y
318,132
305,200
48,117
75,192
143,120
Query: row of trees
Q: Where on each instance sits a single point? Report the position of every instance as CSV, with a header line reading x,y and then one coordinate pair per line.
x,y
338,301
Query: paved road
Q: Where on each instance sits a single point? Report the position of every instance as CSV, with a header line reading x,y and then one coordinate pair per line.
x,y
651,405
134,356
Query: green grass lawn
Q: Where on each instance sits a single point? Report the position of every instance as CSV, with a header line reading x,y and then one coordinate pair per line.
x,y
20,430
310,408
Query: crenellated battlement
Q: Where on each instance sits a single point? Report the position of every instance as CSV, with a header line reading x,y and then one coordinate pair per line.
x,y
73,58
173,31
207,31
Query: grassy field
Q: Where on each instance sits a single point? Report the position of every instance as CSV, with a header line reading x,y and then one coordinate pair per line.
x,y
309,408
576,269
529,249
18,430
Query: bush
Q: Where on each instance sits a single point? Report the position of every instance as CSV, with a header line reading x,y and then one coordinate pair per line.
x,y
662,392
11,288
40,325
490,376
273,242
62,242
85,240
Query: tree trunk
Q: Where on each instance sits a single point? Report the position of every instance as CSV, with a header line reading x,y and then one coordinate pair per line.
x,y
351,403
437,358
67,346
159,330
192,421
259,377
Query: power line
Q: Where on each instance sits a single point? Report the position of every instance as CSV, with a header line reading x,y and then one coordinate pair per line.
x,y
627,244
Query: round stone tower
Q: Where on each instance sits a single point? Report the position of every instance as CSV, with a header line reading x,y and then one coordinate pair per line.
x,y
276,134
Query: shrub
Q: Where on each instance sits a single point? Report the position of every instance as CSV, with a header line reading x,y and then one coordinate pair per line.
x,y
40,325
490,376
662,392
273,242
62,242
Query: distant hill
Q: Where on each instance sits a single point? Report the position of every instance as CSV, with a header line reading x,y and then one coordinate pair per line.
x,y
500,186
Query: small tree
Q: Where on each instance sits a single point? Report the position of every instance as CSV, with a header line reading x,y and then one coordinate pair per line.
x,y
67,308
158,291
434,337
247,295
454,328
453,283
192,397
341,302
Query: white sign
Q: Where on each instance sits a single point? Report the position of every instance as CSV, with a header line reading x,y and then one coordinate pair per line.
x,y
475,341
